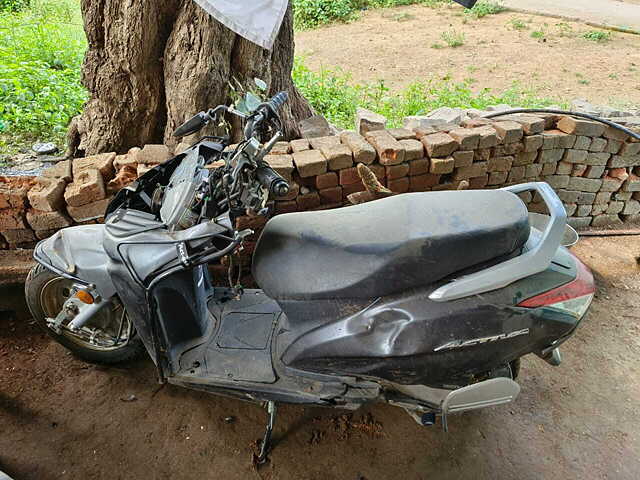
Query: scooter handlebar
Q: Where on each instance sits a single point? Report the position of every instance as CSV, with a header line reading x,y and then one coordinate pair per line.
x,y
272,181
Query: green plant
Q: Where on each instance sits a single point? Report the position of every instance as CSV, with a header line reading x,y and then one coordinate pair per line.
x,y
41,51
597,36
312,13
452,38
539,34
484,8
518,24
334,95
13,5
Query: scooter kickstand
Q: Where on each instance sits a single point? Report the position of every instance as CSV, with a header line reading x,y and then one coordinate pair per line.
x,y
266,441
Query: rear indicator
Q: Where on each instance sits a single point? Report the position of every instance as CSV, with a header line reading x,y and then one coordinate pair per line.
x,y
573,298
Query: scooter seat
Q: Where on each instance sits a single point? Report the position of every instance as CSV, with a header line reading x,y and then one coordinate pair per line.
x,y
388,245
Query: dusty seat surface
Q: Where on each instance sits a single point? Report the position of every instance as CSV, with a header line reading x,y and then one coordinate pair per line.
x,y
386,246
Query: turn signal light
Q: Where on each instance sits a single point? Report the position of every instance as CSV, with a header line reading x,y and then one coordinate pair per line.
x,y
84,297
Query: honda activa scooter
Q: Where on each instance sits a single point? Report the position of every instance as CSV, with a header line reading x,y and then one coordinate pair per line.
x,y
425,301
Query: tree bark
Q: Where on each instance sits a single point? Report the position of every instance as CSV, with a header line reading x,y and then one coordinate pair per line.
x,y
152,64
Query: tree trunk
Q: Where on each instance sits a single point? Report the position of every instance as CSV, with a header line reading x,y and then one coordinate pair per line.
x,y
152,64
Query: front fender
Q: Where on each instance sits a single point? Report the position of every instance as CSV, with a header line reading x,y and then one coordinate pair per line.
x,y
77,253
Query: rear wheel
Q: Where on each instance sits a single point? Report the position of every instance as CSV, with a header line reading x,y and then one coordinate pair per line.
x,y
108,338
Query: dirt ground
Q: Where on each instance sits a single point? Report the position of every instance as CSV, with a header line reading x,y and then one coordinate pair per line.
x,y
60,418
396,45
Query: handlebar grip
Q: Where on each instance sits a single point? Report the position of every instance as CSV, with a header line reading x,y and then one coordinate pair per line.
x,y
278,101
192,125
272,181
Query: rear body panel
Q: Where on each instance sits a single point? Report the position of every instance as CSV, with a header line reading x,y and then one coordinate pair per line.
x,y
410,339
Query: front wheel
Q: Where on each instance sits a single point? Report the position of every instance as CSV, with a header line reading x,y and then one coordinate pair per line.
x,y
108,338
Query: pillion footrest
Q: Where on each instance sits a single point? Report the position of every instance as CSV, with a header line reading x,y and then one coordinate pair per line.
x,y
489,393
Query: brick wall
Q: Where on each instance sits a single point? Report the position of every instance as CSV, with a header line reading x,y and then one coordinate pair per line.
x,y
594,169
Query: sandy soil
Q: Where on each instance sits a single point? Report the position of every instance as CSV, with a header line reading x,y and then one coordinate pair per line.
x,y
396,45
61,418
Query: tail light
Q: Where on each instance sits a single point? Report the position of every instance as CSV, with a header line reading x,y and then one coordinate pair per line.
x,y
573,298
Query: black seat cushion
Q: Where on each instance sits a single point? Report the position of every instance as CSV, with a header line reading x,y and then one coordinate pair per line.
x,y
388,245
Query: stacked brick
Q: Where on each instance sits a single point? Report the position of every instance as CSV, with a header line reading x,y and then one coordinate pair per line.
x,y
594,169
73,192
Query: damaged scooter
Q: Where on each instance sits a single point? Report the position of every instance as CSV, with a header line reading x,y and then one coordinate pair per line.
x,y
426,301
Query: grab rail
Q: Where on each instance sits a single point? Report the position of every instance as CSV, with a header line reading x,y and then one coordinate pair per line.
x,y
537,257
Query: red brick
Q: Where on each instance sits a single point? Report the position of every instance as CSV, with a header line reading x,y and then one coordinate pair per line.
x,y
577,126
421,183
508,131
308,201
124,177
330,195
390,151
442,165
397,171
349,176
89,211
47,220
361,150
413,149
103,163
152,154
468,138
11,219
401,133
300,145
439,144
463,158
286,206
338,156
61,170
475,170
398,185
13,193
478,182
87,187
23,237
310,163
281,148
326,180
421,166
282,164
319,142
47,194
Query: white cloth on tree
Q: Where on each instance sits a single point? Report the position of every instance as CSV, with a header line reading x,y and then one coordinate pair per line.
x,y
256,20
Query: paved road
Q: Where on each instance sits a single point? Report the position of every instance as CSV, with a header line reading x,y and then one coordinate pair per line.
x,y
606,12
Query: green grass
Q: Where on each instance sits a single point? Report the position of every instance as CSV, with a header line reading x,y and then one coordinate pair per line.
x,y
41,51
538,34
313,13
334,95
452,38
518,24
597,36
484,8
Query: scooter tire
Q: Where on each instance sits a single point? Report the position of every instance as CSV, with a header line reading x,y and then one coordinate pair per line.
x,y
38,277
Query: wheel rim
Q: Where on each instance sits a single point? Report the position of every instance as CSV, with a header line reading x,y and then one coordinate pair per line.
x,y
109,329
